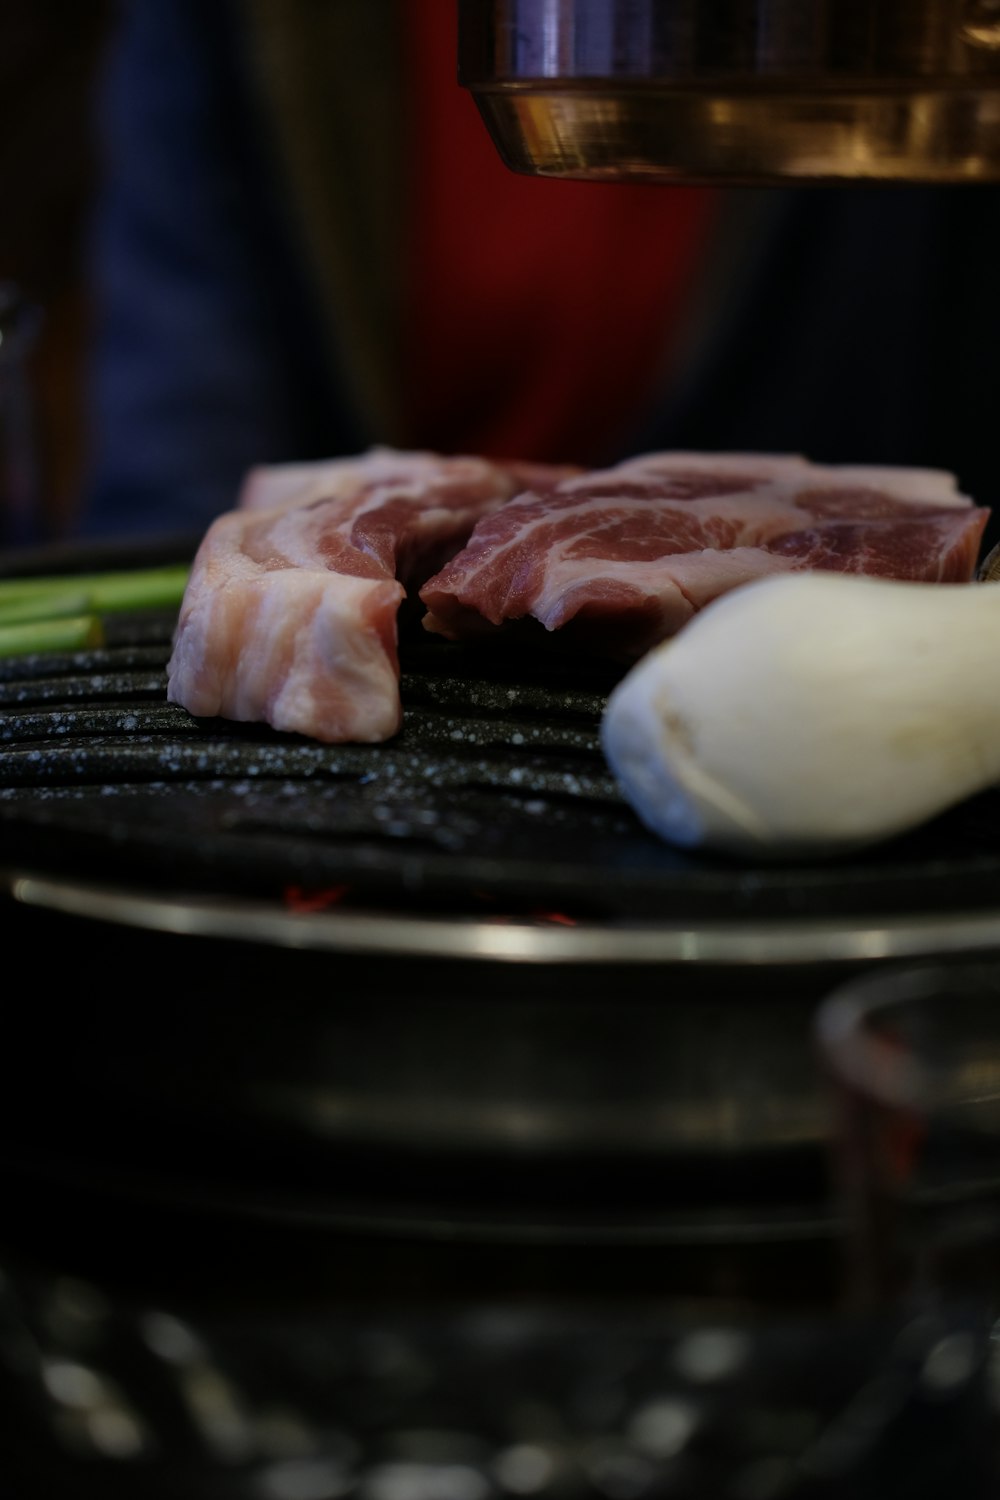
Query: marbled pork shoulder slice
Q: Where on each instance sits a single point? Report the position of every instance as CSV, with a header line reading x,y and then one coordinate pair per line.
x,y
271,485
620,559
289,616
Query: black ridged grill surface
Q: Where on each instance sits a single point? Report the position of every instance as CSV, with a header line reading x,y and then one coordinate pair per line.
x,y
495,796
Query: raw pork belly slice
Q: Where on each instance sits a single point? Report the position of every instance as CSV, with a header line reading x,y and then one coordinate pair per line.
x,y
621,558
289,616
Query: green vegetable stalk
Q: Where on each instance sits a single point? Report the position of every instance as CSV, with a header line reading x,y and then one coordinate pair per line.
x,y
63,613
73,633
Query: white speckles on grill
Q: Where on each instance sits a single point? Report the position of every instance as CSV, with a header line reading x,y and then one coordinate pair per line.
x,y
451,807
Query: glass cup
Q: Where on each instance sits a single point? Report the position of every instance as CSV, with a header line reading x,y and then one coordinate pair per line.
x,y
912,1057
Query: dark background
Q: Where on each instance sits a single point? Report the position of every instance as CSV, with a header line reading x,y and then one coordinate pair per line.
x,y
50,54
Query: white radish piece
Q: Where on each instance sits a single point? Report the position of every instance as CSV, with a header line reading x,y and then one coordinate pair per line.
x,y
811,713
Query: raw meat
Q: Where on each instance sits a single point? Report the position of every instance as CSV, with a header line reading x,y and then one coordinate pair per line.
x,y
620,559
289,616
271,485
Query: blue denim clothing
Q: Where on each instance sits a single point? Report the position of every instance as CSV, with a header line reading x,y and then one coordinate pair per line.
x,y
206,355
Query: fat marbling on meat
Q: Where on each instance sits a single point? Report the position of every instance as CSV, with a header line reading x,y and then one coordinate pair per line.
x,y
290,613
620,559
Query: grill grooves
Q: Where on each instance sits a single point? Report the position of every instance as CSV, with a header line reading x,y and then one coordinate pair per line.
x,y
495,794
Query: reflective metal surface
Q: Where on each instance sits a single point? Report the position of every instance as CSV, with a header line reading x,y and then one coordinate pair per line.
x,y
738,90
394,935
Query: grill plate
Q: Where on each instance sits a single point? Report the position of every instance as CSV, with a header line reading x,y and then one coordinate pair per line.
x,y
494,797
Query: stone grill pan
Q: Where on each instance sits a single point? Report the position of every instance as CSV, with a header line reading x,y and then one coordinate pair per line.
x,y
448,983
